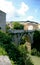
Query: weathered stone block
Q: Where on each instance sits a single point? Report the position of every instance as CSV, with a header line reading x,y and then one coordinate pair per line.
x,y
4,60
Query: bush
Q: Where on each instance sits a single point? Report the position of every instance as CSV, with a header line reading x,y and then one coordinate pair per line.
x,y
17,25
36,40
24,52
38,53
2,49
4,38
33,51
24,39
18,55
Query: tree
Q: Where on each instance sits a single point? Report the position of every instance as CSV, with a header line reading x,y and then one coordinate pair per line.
x,y
5,38
36,40
17,25
16,54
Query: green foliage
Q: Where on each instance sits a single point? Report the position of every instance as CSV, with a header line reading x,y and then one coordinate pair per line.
x,y
33,51
38,53
36,43
12,62
26,58
18,56
36,40
2,50
17,25
7,28
4,38
24,39
23,49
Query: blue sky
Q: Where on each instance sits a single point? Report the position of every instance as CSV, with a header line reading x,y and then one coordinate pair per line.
x,y
21,10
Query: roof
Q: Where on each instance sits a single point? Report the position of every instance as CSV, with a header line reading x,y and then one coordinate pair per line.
x,y
32,22
2,11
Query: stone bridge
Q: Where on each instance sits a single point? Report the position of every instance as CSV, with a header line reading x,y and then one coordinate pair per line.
x,y
18,34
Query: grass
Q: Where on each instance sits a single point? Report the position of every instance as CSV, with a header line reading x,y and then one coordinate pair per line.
x,y
2,51
36,60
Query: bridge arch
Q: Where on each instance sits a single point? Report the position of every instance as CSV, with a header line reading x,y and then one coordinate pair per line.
x,y
27,41
18,34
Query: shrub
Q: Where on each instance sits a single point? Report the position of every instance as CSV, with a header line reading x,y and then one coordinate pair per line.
x,y
17,25
38,53
4,38
18,55
33,51
2,49
24,52
36,40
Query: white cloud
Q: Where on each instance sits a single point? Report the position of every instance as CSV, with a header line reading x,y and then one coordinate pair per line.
x,y
7,7
30,18
12,11
23,9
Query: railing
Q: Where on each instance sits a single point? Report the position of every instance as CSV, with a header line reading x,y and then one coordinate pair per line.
x,y
20,31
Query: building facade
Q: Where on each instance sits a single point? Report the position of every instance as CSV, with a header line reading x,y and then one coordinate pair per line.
x,y
2,20
30,25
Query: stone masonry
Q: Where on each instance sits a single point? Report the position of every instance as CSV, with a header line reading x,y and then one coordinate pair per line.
x,y
2,20
4,60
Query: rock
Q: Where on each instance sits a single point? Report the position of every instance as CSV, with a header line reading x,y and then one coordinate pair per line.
x,y
4,60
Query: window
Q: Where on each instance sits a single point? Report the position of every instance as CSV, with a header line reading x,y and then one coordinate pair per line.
x,y
0,28
30,27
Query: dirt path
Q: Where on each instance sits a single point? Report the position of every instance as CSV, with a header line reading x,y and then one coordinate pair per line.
x,y
36,60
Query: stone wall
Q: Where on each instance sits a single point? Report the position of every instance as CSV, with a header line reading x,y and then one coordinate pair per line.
x,y
30,26
2,20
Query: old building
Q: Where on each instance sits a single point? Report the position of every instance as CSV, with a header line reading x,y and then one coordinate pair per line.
x,y
30,25
39,26
2,20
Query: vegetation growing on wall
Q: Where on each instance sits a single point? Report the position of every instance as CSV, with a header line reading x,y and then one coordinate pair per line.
x,y
17,25
18,56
